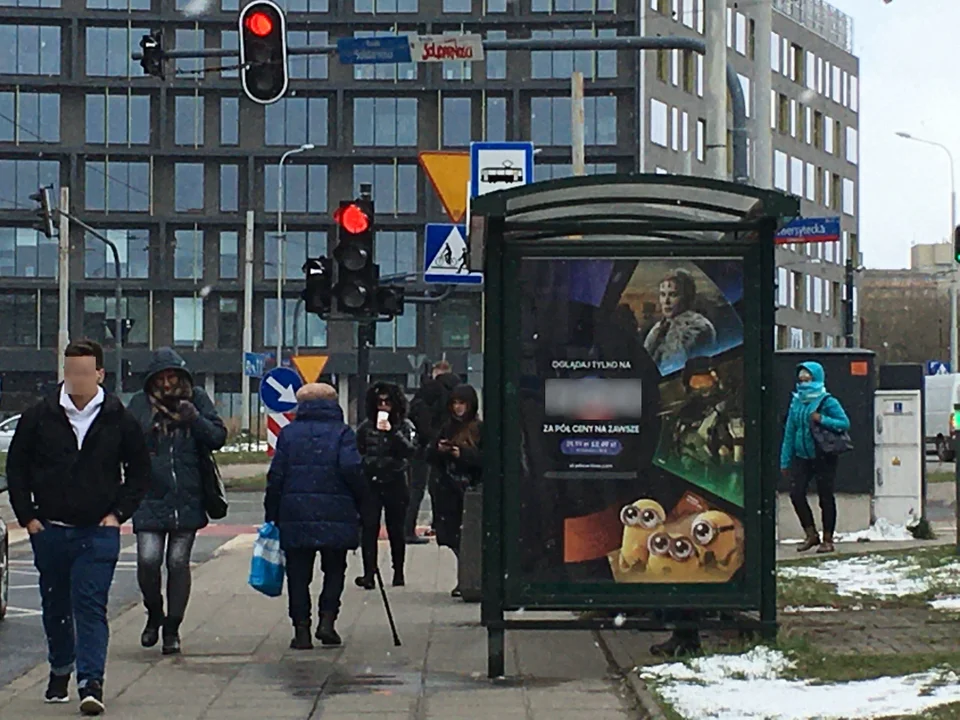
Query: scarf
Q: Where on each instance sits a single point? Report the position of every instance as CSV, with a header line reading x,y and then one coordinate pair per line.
x,y
165,404
809,392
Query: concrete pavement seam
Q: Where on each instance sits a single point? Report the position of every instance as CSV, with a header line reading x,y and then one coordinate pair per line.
x,y
624,668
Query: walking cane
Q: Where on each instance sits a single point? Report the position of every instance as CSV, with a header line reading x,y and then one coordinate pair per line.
x,y
386,605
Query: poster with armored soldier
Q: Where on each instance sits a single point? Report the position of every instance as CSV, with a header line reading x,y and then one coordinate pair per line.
x,y
632,420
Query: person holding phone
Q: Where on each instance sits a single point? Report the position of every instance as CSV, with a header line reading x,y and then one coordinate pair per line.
x,y
387,442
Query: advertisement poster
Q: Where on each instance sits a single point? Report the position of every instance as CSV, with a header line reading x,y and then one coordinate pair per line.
x,y
631,420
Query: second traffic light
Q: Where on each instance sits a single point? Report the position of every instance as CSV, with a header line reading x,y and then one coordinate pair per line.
x,y
263,52
956,243
43,212
357,275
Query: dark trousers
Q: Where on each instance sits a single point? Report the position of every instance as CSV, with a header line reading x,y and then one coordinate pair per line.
x,y
76,566
299,569
823,471
178,547
419,473
389,499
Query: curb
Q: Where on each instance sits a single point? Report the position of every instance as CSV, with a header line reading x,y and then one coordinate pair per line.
x,y
648,704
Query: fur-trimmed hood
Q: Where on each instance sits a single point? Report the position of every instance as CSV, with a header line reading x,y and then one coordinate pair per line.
x,y
397,399
687,335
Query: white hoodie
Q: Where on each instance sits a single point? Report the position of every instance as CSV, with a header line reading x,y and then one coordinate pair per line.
x,y
81,420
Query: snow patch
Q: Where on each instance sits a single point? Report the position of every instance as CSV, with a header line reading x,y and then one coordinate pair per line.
x,y
881,531
875,575
751,686
243,447
950,604
790,609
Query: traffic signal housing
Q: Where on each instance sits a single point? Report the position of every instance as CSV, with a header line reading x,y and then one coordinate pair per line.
x,y
357,275
152,60
263,52
956,243
318,293
43,212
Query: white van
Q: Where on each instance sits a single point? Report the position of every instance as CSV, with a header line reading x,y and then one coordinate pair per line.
x,y
942,393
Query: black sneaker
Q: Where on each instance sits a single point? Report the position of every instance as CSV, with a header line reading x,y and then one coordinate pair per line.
x,y
91,699
58,689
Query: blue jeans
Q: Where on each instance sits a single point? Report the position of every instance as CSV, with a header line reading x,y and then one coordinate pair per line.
x,y
76,566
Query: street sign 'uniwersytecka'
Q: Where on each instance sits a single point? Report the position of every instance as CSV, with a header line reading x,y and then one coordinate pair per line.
x,y
809,230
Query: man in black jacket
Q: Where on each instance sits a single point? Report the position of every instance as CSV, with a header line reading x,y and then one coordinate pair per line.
x,y
386,441
428,411
66,487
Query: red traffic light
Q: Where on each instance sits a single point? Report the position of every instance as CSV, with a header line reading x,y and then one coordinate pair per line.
x,y
259,23
352,219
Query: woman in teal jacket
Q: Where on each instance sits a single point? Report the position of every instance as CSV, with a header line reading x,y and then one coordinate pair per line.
x,y
800,457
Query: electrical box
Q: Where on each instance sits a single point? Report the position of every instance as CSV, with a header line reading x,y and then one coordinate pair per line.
x,y
898,456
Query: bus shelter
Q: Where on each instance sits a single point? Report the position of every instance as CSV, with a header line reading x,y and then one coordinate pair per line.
x,y
629,437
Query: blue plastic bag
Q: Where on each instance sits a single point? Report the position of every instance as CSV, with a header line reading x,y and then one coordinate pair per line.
x,y
266,568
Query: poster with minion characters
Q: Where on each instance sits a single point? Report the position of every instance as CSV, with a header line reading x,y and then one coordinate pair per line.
x,y
631,420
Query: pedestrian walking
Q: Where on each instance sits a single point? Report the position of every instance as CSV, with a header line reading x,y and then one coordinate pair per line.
x,y
804,461
315,489
386,441
182,429
457,458
428,412
77,469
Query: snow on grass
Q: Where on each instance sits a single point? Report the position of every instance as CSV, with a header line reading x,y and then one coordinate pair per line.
x,y
791,610
752,685
950,604
881,531
877,575
244,447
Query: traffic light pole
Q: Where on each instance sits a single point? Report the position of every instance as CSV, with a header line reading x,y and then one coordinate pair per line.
x,y
118,291
366,337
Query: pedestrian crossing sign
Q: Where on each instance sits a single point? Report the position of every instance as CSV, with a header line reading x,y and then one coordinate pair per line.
x,y
447,256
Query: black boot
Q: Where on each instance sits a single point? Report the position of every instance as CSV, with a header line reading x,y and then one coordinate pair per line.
x,y
398,579
366,581
171,636
301,636
151,633
327,632
679,645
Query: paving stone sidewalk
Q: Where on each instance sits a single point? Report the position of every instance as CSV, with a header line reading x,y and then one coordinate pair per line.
x,y
236,663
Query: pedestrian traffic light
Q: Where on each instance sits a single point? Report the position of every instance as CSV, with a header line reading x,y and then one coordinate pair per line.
x,y
152,60
318,293
956,243
357,275
263,52
390,301
43,212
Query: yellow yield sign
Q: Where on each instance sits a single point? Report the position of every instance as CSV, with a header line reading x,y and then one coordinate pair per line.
x,y
449,173
310,367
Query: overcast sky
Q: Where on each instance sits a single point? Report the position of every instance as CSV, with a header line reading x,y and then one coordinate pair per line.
x,y
910,82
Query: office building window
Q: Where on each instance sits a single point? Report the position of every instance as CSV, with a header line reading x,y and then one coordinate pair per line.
x,y
229,121
294,121
133,249
188,123
29,50
100,315
555,171
854,95
29,117
304,188
745,85
188,190
496,120
455,322
118,119
852,145
811,189
658,122
701,139
108,51
26,253
309,330
456,69
550,120
560,64
849,199
229,254
383,71
385,122
394,186
300,6
456,122
496,60
188,254
304,67
457,6
780,170
396,253
19,179
189,40
377,7
19,328
572,6
230,40
188,321
298,245
229,188
229,324
116,186
31,3
796,176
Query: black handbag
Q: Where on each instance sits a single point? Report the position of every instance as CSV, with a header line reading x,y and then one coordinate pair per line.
x,y
214,493
830,442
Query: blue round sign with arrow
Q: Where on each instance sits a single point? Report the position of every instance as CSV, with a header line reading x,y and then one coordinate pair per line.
x,y
278,389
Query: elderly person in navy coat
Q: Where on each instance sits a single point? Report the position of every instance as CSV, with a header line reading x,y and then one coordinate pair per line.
x,y
315,487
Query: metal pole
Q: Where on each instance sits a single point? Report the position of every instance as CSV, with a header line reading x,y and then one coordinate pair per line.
x,y
577,124
365,339
848,308
247,316
296,326
763,86
714,89
63,270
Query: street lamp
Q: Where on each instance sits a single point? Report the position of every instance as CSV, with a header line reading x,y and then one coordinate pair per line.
x,y
954,364
280,244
